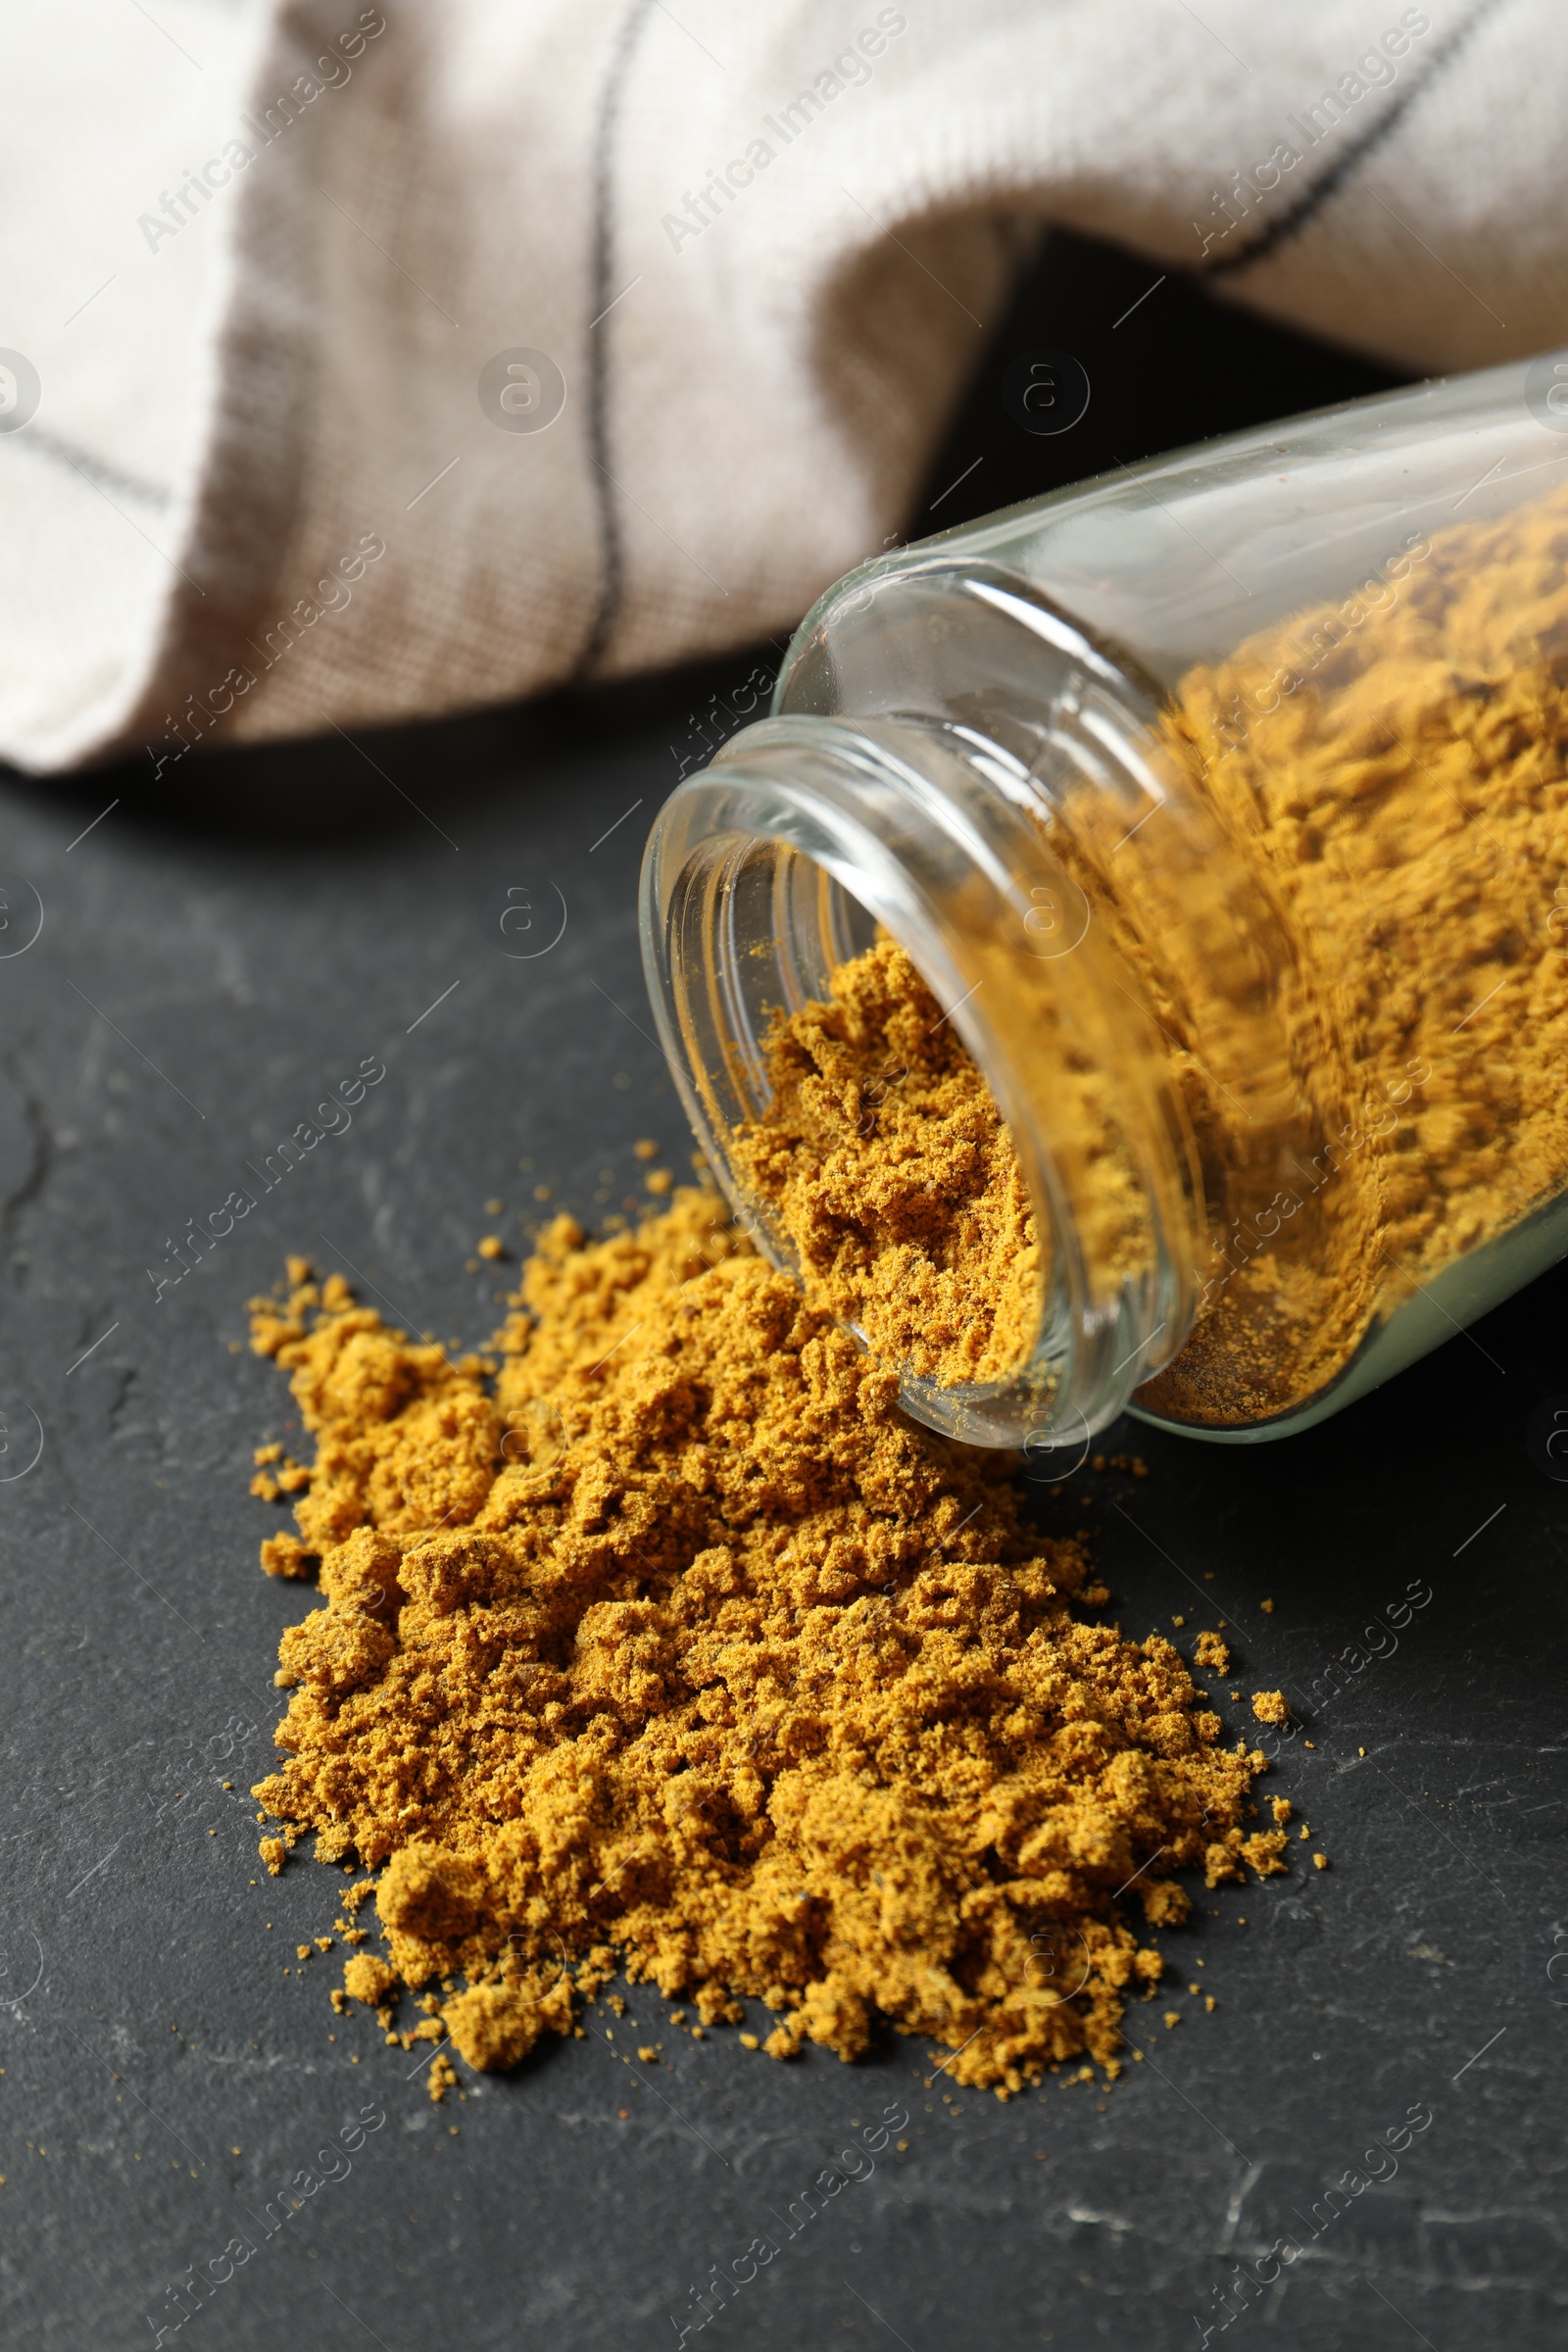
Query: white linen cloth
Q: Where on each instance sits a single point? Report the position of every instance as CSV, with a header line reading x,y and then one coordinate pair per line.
x,y
258,257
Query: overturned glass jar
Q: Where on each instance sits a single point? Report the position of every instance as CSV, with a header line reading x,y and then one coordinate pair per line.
x,y
1221,804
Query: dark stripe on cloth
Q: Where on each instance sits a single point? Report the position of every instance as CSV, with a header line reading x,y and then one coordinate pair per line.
x,y
1311,200
600,295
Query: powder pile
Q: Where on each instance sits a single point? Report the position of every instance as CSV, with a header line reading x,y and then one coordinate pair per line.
x,y
1392,770
885,1161
670,1643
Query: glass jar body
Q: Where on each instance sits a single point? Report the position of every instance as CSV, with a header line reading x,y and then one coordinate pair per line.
x,y
1222,802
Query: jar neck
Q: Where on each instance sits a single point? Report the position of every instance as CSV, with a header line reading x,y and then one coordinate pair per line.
x,y
774,866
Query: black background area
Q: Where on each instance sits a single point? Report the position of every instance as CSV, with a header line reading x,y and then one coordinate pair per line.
x,y
207,968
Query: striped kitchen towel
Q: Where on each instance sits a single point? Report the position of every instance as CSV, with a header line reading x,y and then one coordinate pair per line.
x,y
363,361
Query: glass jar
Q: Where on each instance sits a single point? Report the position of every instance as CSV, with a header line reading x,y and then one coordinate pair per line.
x,y
1221,803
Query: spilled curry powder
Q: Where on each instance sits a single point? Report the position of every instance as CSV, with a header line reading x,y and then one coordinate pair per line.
x,y
668,1642
1392,774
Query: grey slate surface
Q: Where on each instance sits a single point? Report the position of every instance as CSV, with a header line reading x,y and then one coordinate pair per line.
x,y
203,974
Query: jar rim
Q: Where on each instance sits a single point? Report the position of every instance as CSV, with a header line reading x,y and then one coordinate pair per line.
x,y
750,874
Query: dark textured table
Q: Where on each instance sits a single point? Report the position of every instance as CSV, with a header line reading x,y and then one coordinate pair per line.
x,y
207,966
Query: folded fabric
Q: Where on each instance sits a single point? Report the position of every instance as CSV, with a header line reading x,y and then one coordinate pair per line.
x,y
360,363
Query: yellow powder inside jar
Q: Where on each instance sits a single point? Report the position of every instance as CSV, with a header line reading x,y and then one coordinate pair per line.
x,y
1400,774
886,1163
674,1644
1397,778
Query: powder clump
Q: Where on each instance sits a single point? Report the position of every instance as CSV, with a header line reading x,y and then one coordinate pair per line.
x,y
676,1646
367,1978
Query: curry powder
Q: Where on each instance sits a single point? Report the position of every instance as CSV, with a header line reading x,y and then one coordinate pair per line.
x,y
661,1639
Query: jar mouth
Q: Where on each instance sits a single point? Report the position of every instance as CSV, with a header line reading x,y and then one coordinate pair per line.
x,y
770,870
